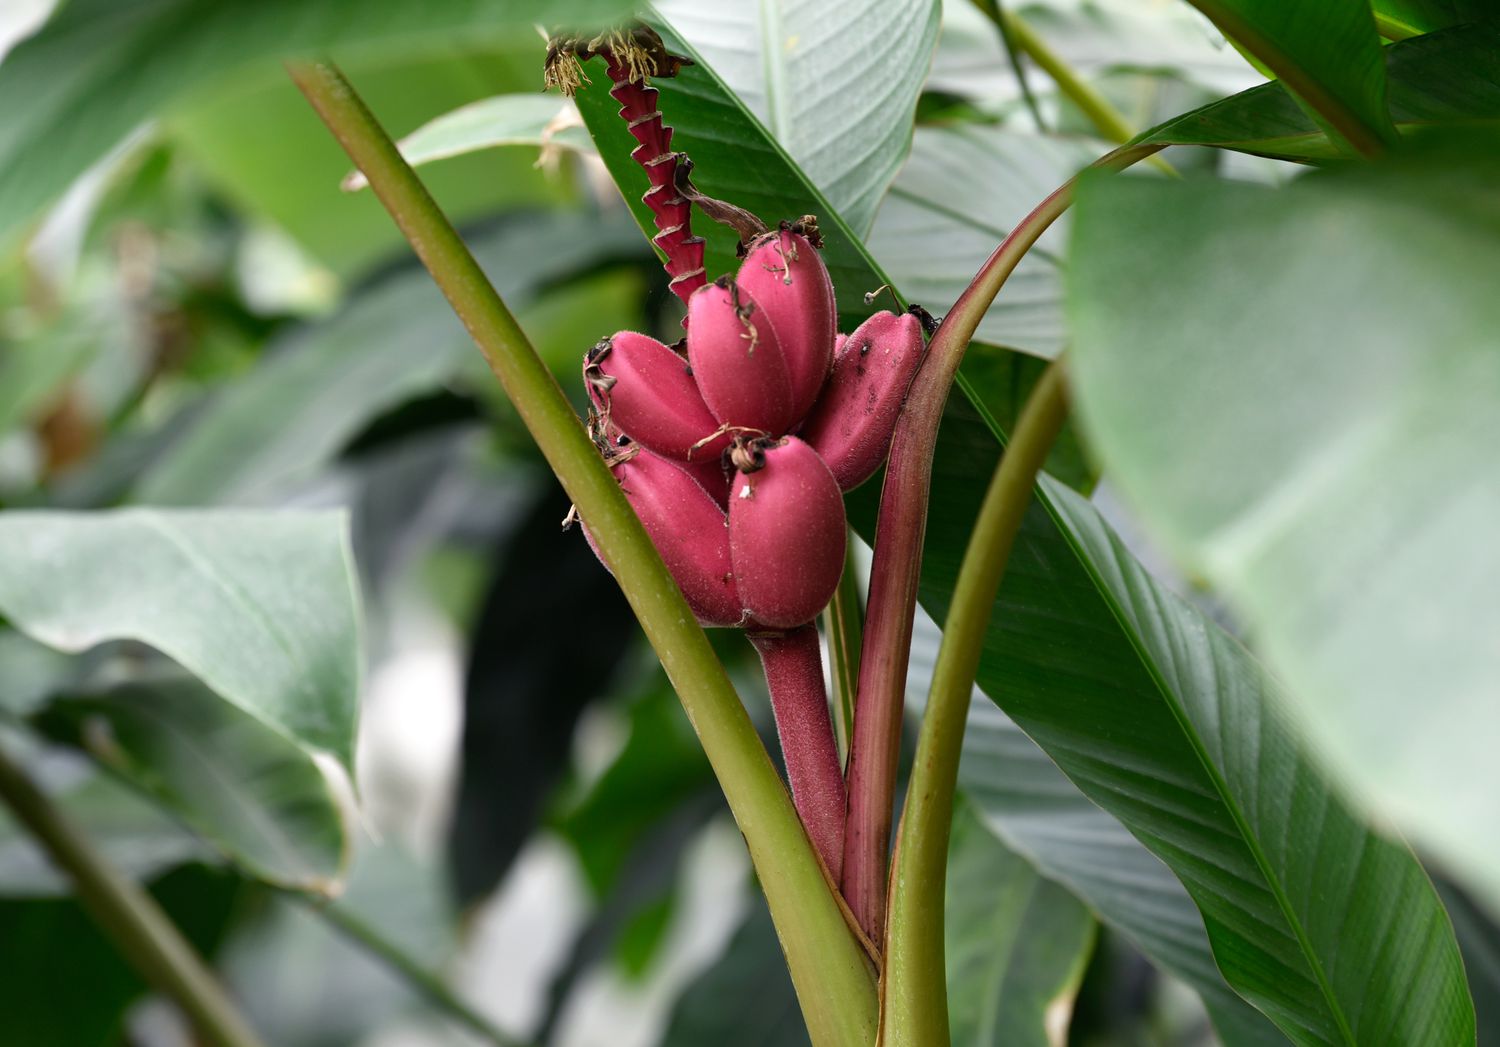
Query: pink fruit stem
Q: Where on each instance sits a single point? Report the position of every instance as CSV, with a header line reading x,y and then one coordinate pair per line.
x,y
896,571
794,673
671,210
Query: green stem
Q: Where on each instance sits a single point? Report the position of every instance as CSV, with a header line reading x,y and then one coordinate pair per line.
x,y
915,1008
409,970
897,569
143,933
828,966
841,623
1099,110
996,14
1393,29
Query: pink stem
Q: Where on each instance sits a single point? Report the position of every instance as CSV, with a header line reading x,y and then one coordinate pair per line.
x,y
793,663
672,211
896,571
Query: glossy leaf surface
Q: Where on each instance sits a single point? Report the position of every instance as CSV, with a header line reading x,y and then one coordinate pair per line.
x,y
260,606
1325,51
801,65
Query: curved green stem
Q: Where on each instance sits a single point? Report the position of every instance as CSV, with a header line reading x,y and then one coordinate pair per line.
x,y
422,980
828,966
127,914
915,1007
996,14
1097,109
1393,29
897,568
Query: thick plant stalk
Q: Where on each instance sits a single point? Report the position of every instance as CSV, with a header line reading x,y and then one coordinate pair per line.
x,y
915,1011
1100,111
828,966
794,674
897,567
127,914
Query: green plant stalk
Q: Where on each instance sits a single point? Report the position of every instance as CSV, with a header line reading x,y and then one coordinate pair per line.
x,y
829,968
996,14
1098,110
897,568
841,624
915,1009
421,980
1393,29
143,933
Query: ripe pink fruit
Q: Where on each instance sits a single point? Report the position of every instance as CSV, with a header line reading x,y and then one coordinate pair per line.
x,y
851,425
785,275
689,530
786,534
647,392
737,359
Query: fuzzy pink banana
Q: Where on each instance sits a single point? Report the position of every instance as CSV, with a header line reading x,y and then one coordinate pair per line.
x,y
851,425
737,360
785,275
786,532
646,391
689,530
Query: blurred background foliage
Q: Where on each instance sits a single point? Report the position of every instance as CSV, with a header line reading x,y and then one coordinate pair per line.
x,y
198,316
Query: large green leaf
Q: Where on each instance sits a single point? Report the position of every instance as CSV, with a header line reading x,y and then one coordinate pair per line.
x,y
803,68
240,785
279,425
1016,944
1326,52
1035,811
1165,722
1019,795
511,119
260,606
99,68
1301,400
1448,77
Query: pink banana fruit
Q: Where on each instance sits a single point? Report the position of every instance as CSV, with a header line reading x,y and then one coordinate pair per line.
x,y
646,391
689,530
737,360
786,532
784,273
851,426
